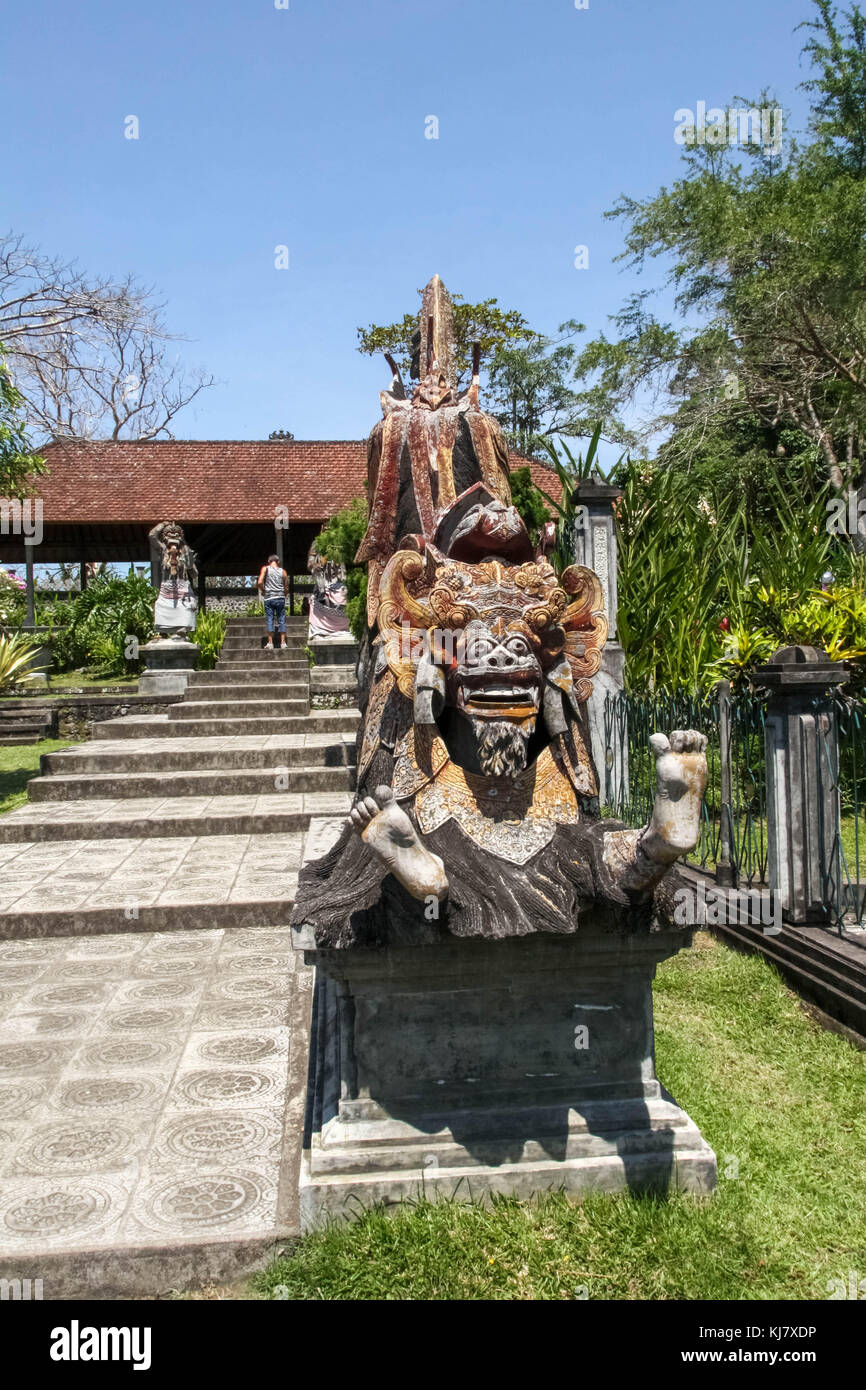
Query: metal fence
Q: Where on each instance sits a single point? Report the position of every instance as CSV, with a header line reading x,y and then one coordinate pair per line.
x,y
733,842
849,770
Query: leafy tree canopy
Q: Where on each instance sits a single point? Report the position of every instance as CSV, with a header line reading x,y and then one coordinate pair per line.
x,y
529,501
525,376
767,257
18,465
484,322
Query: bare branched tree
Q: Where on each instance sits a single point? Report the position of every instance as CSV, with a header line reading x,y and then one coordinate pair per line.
x,y
91,358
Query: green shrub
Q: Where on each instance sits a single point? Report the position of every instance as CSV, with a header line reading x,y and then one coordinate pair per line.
x,y
529,501
356,606
101,629
210,633
12,603
17,654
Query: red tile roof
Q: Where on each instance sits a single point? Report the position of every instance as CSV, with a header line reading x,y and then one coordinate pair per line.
x,y
210,480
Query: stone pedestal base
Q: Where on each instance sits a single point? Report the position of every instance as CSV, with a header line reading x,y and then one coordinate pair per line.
x,y
478,1067
338,649
169,663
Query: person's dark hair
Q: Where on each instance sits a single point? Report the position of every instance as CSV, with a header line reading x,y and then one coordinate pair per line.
x,y
272,558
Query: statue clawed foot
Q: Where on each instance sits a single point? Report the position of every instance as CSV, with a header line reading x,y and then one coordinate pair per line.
x,y
389,832
640,858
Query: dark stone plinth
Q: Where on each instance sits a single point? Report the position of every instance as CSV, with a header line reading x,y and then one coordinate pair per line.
x,y
339,650
476,1067
169,662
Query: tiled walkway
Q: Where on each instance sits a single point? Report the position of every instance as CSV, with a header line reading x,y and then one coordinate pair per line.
x,y
145,1084
171,808
153,1016
130,874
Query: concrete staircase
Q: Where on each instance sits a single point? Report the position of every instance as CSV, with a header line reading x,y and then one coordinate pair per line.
x,y
241,758
153,1016
22,725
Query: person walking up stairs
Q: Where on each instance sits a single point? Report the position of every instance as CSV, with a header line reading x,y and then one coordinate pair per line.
x,y
273,586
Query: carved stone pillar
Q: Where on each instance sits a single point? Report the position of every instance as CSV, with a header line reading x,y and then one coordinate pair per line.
x,y
595,546
802,760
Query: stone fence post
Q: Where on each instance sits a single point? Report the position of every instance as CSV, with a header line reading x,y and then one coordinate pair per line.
x,y
595,546
801,741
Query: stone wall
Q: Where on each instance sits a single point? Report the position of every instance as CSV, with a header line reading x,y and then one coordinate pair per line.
x,y
76,712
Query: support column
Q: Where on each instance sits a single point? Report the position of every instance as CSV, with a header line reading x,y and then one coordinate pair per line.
x,y
595,546
30,624
802,763
42,658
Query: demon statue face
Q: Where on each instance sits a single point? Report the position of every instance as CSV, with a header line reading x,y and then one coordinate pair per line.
x,y
494,657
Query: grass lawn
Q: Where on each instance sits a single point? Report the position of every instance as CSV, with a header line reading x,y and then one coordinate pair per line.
x,y
75,680
58,681
18,765
782,1102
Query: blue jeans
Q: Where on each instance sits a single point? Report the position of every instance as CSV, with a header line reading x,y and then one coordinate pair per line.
x,y
275,612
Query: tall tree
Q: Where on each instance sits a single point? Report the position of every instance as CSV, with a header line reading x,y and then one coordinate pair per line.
x,y
768,261
485,322
530,395
18,464
525,376
90,357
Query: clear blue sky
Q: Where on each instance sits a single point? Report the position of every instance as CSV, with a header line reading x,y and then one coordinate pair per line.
x,y
305,127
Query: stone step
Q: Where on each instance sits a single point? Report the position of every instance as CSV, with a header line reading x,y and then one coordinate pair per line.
x,y
22,737
836,985
276,657
86,887
156,817
293,620
259,666
258,633
235,728
243,782
248,651
240,695
282,673
135,726
21,715
231,709
203,754
238,643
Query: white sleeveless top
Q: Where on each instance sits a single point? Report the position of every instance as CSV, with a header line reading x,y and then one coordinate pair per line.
x,y
274,582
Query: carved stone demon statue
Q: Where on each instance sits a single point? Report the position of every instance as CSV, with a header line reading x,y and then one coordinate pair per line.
x,y
477,806
484,942
175,607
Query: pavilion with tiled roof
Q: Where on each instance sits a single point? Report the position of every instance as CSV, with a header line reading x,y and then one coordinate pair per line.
x,y
101,498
